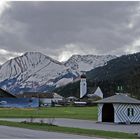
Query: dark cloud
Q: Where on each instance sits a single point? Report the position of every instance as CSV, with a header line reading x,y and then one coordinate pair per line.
x,y
63,28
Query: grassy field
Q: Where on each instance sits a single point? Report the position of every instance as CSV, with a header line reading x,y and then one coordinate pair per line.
x,y
88,132
88,113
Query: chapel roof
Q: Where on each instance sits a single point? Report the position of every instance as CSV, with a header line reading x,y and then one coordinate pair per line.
x,y
119,99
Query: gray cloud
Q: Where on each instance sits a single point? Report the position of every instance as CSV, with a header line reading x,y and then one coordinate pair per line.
x,y
60,29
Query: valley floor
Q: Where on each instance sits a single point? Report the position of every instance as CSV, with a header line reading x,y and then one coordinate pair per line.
x,y
84,113
71,119
86,124
7,132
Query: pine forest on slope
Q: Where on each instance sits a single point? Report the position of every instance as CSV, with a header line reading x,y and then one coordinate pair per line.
x,y
123,71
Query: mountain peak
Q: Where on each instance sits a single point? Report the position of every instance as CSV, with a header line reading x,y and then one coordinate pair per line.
x,y
40,55
35,54
87,62
34,69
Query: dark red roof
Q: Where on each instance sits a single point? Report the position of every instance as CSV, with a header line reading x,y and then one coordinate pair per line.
x,y
83,76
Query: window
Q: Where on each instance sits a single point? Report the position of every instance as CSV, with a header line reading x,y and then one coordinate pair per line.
x,y
130,112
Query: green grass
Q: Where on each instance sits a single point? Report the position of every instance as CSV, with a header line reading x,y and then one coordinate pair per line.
x,y
86,113
88,132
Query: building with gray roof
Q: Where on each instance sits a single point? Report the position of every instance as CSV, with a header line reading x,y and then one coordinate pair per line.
x,y
119,108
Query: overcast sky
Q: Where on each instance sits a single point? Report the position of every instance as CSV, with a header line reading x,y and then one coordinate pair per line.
x,y
60,29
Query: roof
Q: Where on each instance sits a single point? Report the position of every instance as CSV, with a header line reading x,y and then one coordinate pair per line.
x,y
36,94
4,94
83,76
98,92
71,97
119,99
55,95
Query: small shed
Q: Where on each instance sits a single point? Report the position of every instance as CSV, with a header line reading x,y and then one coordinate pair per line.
x,y
119,108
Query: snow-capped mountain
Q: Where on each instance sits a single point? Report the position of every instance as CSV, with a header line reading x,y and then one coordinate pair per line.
x,y
87,62
35,71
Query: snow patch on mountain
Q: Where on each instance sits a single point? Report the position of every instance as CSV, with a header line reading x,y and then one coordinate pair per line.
x,y
87,62
63,81
35,71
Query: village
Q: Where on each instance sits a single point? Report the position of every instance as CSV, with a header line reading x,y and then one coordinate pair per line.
x,y
119,108
69,69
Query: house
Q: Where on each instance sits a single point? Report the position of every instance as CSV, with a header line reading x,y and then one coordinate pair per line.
x,y
71,99
57,97
119,108
35,95
84,92
97,93
19,102
79,103
51,99
9,100
45,99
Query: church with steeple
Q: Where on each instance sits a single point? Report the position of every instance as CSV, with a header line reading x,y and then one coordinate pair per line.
x,y
83,86
83,89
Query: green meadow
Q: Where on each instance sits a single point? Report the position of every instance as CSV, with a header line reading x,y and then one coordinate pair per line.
x,y
86,113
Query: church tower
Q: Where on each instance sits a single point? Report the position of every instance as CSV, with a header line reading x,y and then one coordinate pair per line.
x,y
83,85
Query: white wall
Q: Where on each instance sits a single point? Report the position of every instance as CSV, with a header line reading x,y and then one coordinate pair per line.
x,y
116,120
98,93
83,87
46,100
57,99
121,113
100,112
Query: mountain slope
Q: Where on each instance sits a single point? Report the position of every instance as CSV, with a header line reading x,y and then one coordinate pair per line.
x,y
30,62
87,62
123,71
32,71
35,71
119,68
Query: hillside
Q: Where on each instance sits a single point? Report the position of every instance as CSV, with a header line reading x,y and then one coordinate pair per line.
x,y
119,68
34,71
87,62
123,71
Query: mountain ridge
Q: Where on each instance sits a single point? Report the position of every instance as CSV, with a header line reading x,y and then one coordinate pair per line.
x,y
34,71
92,61
122,71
